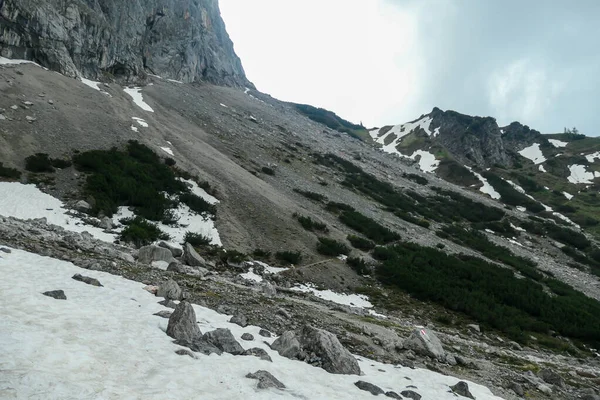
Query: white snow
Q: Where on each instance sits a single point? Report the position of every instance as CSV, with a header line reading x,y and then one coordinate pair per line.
x,y
168,151
436,132
558,143
517,228
521,208
400,131
104,343
486,188
8,61
252,276
141,122
92,84
568,195
174,81
542,169
223,105
427,162
198,191
490,231
514,242
138,99
134,128
534,153
354,300
579,174
246,90
593,156
521,190
28,202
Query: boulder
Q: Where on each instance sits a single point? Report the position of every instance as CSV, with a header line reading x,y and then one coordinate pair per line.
x,y
5,250
164,314
87,279
185,352
258,352
462,389
202,346
247,336
191,257
393,395
544,389
168,303
83,206
182,324
264,333
239,319
551,377
175,251
170,290
56,294
287,345
223,339
335,358
517,388
425,342
266,380
178,267
267,289
410,394
148,254
369,387
106,223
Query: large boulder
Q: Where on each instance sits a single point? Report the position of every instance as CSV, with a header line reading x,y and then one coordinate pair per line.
x,y
369,387
56,294
223,339
175,251
187,270
182,324
462,389
191,256
170,290
266,380
551,377
425,342
148,254
332,356
258,352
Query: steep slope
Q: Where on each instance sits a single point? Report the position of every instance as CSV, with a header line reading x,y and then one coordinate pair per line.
x,y
105,39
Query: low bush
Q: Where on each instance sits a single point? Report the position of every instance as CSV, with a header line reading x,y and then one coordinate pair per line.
x,y
368,227
416,178
290,257
268,170
510,195
310,224
170,162
358,265
261,253
331,247
39,162
360,243
311,195
9,173
197,203
196,239
140,232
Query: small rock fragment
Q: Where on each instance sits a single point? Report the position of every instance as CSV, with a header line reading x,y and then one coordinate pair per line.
x,y
56,294
258,352
369,387
247,336
264,333
164,314
239,319
462,389
411,394
87,279
185,352
266,380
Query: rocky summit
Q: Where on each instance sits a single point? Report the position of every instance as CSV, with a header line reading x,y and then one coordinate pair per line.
x,y
248,247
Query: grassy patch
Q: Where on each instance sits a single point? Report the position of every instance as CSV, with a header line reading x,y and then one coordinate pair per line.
x,y
331,247
358,265
368,227
268,171
141,232
510,195
332,121
416,178
197,203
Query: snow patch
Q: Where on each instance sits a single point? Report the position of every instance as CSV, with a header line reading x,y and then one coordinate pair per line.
x,y
542,169
104,342
486,188
592,157
558,143
198,191
580,175
400,131
140,122
8,61
521,208
534,153
90,83
134,128
223,105
568,195
138,99
174,81
427,162
168,150
353,300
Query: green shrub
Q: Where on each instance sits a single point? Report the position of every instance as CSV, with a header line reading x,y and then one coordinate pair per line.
x,y
141,232
416,178
261,253
196,239
311,195
39,162
197,203
310,224
510,195
360,243
335,207
331,247
268,170
358,265
290,257
233,256
9,173
170,162
368,227
60,164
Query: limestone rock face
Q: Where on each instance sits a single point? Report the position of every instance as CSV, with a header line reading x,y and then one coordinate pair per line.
x,y
183,40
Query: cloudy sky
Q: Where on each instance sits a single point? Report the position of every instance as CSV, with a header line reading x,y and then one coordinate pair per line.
x,y
389,61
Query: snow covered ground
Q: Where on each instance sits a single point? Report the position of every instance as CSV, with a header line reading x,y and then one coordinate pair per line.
x,y
486,188
354,300
592,157
558,143
580,175
138,98
399,131
534,153
104,343
8,61
427,161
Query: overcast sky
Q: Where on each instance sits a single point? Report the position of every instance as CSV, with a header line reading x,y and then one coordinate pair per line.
x,y
389,61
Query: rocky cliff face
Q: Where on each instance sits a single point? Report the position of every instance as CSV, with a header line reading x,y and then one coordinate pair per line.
x,y
178,39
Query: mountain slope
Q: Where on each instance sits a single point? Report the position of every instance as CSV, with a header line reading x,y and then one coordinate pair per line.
x,y
105,39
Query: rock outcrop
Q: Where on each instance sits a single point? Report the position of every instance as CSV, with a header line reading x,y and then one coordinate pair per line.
x,y
425,342
175,39
182,323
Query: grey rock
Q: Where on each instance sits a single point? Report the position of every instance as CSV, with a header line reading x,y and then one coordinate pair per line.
x,y
87,279
393,395
191,257
551,377
266,380
267,289
369,387
106,223
201,346
287,345
186,42
590,396
164,314
247,336
544,389
411,394
425,342
239,319
474,327
462,389
264,333
170,290
178,267
56,294
258,352
283,313
83,206
2,117
517,388
182,323
148,254
185,352
176,252
223,339
450,359
5,250
168,303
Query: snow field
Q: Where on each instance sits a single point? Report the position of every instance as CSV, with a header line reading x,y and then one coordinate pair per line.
x,y
104,343
138,98
578,174
558,143
534,153
486,188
